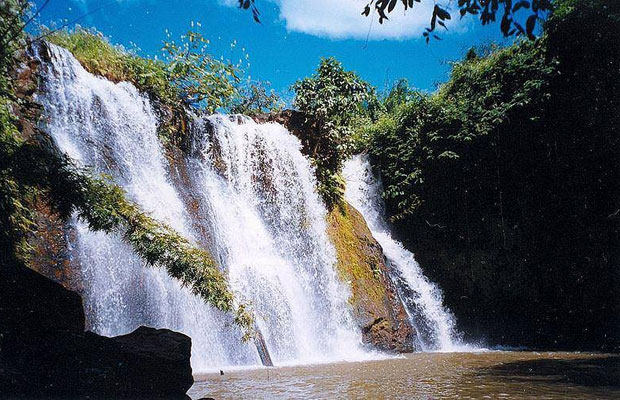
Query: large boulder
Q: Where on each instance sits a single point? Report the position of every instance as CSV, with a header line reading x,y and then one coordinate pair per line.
x,y
146,362
376,306
32,304
44,350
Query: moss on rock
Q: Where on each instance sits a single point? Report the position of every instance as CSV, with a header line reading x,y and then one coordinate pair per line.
x,y
361,263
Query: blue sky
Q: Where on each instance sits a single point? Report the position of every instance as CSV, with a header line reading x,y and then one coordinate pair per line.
x,y
293,36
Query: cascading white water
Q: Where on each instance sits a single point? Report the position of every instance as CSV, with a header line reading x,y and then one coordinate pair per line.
x,y
112,129
423,300
271,236
256,198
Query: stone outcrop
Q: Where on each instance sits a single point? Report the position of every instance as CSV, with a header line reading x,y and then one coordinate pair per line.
x,y
47,250
44,350
361,263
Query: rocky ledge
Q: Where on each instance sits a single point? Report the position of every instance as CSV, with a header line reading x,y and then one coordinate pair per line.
x,y
44,350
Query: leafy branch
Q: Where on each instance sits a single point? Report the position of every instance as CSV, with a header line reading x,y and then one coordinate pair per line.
x,y
486,9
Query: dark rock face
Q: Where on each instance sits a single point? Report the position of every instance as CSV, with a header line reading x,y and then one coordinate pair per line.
x,y
44,350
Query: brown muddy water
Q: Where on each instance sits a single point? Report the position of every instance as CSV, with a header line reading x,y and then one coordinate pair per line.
x,y
486,375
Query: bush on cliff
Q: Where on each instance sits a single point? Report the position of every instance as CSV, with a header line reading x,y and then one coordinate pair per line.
x,y
188,75
332,99
505,184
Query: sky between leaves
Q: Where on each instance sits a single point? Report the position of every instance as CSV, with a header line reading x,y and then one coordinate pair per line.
x,y
293,35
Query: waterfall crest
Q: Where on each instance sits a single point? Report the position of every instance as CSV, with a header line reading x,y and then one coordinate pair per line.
x,y
423,299
251,189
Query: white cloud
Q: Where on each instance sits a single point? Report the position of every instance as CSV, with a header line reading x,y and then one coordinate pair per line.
x,y
342,19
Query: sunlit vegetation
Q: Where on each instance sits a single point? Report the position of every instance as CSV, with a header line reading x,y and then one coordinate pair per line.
x,y
256,98
202,80
100,57
332,99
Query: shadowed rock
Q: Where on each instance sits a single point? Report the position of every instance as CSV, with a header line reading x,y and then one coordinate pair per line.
x,y
44,350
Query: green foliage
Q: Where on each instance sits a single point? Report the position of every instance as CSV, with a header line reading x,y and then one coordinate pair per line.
x,y
100,57
202,80
255,98
331,99
15,216
429,132
12,13
379,110
400,93
504,183
186,76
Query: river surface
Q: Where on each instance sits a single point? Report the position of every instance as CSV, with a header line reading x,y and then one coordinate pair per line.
x,y
494,375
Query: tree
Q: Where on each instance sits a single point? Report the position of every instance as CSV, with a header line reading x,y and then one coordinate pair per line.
x,y
331,99
255,97
513,13
201,79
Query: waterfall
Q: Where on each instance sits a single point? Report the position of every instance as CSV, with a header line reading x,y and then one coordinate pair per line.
x,y
251,190
270,231
112,129
423,300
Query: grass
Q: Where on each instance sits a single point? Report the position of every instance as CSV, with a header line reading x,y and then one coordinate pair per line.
x,y
98,56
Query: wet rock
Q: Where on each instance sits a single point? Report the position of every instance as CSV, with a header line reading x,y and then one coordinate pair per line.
x,y
376,306
48,243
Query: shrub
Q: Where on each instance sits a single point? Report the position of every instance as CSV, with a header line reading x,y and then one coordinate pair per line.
x,y
504,183
331,99
100,57
255,98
